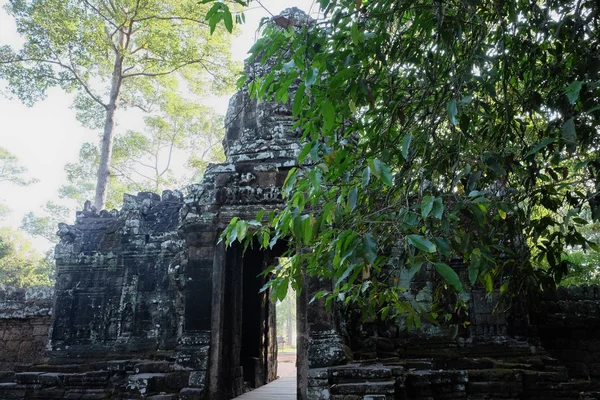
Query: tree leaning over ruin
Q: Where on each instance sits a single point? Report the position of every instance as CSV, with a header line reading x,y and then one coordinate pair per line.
x,y
460,137
113,55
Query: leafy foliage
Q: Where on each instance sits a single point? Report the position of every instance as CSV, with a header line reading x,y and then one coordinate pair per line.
x,y
436,131
152,160
11,171
46,226
20,264
113,55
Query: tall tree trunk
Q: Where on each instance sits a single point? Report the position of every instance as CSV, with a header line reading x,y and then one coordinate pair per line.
x,y
302,338
108,135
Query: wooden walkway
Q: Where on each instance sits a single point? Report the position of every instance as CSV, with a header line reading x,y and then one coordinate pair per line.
x,y
279,389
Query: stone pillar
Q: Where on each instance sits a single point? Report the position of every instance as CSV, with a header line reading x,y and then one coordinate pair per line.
x,y
326,347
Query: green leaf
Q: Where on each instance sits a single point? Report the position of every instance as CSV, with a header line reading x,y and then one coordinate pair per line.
x,y
537,147
573,90
580,221
442,246
328,112
307,229
386,174
466,100
288,66
213,21
346,274
473,269
384,312
352,196
259,215
282,289
366,176
427,206
452,111
356,34
406,146
569,136
438,208
375,165
298,99
449,275
227,19
311,77
488,283
370,247
290,181
304,152
241,81
241,228
421,243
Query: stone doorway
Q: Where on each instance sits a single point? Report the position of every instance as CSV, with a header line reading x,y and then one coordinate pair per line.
x,y
248,356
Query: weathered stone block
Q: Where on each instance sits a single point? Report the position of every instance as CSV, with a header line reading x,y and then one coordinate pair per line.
x,y
318,393
7,376
191,394
162,397
146,383
25,378
151,367
197,379
51,379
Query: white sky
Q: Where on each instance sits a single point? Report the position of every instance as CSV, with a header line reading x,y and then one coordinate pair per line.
x,y
47,136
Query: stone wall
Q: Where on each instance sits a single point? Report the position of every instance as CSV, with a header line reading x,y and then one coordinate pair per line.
x,y
115,293
25,316
568,325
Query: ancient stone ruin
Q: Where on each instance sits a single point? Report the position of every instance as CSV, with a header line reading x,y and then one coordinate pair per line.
x,y
149,304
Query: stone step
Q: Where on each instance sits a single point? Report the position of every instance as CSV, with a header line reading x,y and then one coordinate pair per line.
x,y
191,394
371,374
147,383
494,375
96,379
66,368
88,394
26,378
7,376
172,396
121,365
364,388
152,367
50,379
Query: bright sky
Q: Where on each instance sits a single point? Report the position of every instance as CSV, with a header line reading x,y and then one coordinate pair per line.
x,y
47,136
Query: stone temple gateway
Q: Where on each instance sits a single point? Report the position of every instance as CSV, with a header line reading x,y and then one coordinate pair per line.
x,y
150,304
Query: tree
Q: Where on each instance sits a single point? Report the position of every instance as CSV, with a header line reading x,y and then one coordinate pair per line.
x,y
47,225
443,131
112,55
20,264
11,171
286,317
152,160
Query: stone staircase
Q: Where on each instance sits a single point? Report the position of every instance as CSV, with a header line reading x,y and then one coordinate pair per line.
x,y
519,375
115,380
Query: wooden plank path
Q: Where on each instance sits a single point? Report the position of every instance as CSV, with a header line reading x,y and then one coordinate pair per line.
x,y
279,389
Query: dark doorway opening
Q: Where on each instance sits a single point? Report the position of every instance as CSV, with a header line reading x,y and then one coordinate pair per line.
x,y
249,336
258,319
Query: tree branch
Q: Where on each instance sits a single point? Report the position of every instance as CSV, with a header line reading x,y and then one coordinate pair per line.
x,y
152,74
172,18
97,11
170,155
60,64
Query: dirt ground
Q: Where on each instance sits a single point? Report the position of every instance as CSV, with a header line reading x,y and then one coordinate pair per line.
x,y
286,365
